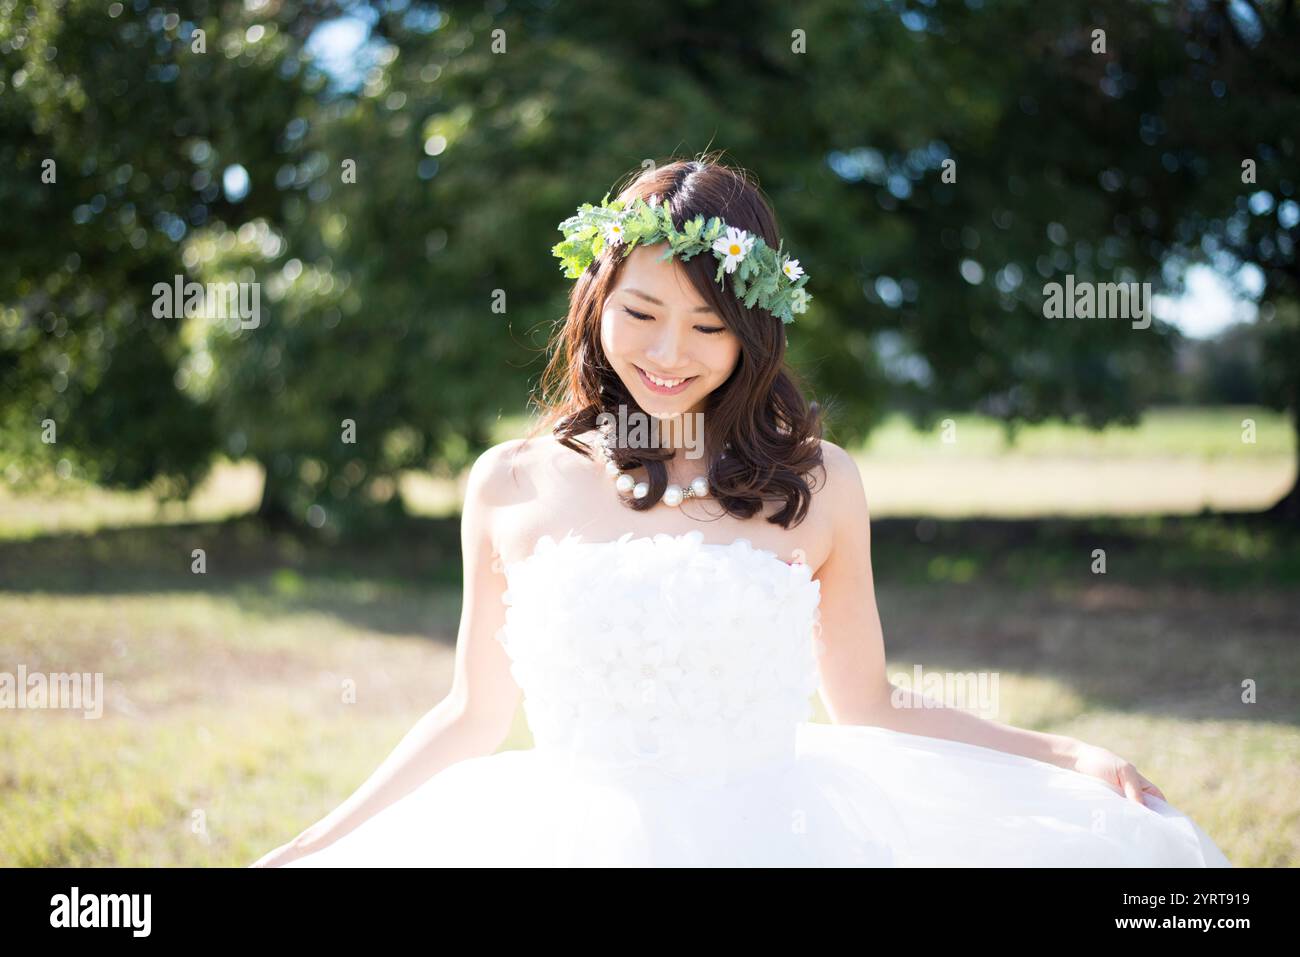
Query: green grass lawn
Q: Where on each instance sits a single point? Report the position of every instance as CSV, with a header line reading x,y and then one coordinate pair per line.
x,y
226,729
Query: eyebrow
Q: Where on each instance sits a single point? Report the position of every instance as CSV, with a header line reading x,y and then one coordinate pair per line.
x,y
648,298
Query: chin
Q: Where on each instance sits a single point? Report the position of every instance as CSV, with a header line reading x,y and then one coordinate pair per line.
x,y
664,413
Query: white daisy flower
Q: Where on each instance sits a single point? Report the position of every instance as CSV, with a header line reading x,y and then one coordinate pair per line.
x,y
734,246
792,269
614,232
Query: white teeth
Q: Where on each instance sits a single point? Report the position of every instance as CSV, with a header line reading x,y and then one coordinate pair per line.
x,y
666,383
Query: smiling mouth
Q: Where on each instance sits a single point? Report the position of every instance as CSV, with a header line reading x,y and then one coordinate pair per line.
x,y
661,385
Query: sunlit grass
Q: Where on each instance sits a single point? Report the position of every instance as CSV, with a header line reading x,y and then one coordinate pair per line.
x,y
1199,433
232,488
1177,461
225,729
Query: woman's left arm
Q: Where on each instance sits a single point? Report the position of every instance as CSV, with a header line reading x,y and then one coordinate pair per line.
x,y
854,686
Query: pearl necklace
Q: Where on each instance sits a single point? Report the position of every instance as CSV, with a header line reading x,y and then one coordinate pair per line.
x,y
625,482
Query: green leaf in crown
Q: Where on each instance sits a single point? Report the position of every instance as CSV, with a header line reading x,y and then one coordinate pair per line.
x,y
761,276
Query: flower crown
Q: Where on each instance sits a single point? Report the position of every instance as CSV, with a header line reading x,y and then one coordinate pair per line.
x,y
761,276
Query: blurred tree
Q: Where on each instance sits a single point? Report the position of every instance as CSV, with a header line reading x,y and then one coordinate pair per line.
x,y
114,136
1229,368
1104,140
934,165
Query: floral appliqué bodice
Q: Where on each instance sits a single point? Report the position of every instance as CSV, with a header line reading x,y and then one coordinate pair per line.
x,y
697,659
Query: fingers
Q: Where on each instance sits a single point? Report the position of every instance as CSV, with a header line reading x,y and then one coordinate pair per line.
x,y
1152,789
1129,780
1135,785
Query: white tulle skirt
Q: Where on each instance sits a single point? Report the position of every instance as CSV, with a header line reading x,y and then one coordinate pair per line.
x,y
852,796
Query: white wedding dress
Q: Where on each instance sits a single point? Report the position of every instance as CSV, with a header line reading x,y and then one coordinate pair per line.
x,y
668,684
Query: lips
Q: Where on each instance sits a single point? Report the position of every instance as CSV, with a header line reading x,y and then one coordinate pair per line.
x,y
663,390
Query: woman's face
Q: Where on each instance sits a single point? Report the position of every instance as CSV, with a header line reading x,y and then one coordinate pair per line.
x,y
654,323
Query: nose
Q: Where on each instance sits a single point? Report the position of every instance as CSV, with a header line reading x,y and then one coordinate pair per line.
x,y
667,347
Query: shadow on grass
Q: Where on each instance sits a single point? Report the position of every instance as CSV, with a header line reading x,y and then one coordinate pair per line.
x,y
382,584
1211,551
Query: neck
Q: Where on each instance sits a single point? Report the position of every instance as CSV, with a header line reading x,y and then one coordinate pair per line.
x,y
684,434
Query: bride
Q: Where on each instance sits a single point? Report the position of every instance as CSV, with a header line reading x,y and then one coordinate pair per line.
x,y
667,600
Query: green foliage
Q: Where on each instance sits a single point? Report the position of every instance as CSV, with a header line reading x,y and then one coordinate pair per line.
x,y
136,131
381,294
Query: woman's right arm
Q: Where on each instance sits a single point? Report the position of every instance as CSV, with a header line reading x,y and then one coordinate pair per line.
x,y
475,716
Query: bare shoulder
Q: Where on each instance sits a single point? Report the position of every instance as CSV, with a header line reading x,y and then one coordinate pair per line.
x,y
509,486
835,458
830,483
508,473
498,479
520,457
843,477
843,505
497,469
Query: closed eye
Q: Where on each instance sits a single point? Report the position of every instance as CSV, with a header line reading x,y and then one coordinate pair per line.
x,y
708,330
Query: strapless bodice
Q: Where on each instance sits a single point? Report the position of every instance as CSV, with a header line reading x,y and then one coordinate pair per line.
x,y
667,652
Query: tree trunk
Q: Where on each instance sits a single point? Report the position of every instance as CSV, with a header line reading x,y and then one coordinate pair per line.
x,y
1287,508
273,509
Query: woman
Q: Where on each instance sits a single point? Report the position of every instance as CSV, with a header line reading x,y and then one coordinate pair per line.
x,y
668,575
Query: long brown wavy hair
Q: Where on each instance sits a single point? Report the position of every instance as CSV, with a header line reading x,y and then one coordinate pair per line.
x,y
762,435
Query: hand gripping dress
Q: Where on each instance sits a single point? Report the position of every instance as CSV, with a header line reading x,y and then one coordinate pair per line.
x,y
668,685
